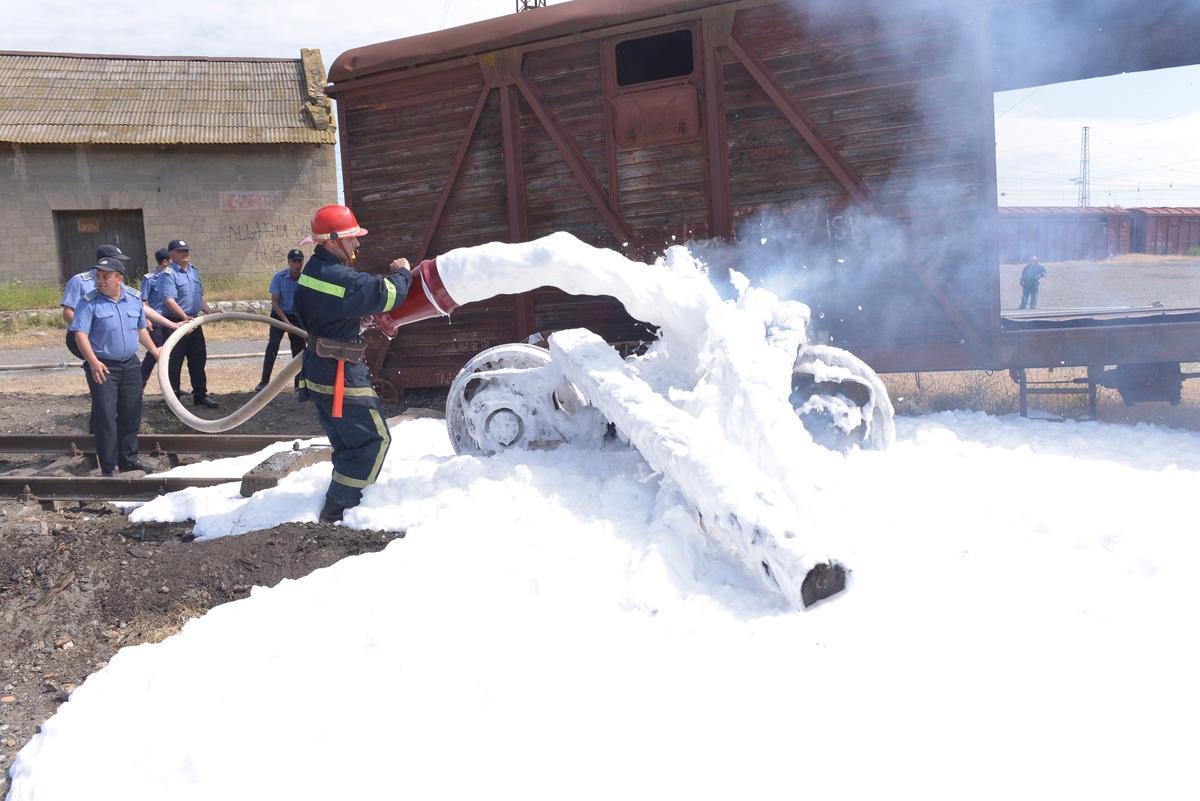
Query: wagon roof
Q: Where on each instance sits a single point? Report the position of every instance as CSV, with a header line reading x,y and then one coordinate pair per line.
x,y
1062,211
549,22
1087,39
1176,211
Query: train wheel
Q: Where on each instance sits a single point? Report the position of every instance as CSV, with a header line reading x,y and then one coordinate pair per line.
x,y
513,396
841,400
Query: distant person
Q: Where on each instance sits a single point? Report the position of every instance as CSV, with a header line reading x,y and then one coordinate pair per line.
x,y
283,308
183,299
79,285
108,324
158,323
331,300
1031,276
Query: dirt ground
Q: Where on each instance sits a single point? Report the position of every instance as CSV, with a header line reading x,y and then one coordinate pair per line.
x,y
80,582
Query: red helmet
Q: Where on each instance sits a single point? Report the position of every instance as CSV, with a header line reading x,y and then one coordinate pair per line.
x,y
334,222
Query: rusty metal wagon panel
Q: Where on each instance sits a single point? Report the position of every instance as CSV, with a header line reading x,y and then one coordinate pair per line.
x,y
1166,231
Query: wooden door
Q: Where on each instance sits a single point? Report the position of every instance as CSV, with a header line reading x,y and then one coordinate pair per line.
x,y
81,232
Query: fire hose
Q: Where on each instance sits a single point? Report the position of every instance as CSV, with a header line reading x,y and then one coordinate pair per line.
x,y
426,298
282,379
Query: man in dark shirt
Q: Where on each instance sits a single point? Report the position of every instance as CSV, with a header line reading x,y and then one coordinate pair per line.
x,y
1031,276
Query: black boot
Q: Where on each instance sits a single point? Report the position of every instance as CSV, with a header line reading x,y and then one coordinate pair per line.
x,y
332,512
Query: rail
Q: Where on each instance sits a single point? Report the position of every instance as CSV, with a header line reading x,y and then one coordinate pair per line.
x,y
93,488
29,486
154,444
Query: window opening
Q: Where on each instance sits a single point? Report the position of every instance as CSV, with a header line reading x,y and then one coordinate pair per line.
x,y
654,58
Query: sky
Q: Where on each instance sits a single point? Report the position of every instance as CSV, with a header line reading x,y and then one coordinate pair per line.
x,y
1142,147
589,621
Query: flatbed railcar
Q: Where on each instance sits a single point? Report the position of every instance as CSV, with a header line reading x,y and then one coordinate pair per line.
x,y
851,142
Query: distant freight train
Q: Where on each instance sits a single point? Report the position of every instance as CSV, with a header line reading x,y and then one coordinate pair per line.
x,y
1088,233
843,152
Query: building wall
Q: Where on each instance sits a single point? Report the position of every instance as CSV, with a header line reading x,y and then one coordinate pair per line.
x,y
241,207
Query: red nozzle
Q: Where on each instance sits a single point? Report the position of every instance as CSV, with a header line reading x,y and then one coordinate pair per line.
x,y
427,297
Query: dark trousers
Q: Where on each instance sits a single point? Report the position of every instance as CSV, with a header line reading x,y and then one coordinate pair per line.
x,y
158,335
192,348
360,440
116,412
1029,295
295,342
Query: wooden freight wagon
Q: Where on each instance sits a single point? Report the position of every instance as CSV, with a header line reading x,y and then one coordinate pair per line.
x,y
844,151
1166,231
1062,233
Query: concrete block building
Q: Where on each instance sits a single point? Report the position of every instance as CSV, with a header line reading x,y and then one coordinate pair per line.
x,y
232,155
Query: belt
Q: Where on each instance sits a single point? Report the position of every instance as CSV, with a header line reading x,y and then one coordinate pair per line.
x,y
343,350
113,362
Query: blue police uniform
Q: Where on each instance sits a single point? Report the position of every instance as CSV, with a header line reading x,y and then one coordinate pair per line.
x,y
153,293
331,299
185,288
148,285
283,285
77,286
112,330
159,334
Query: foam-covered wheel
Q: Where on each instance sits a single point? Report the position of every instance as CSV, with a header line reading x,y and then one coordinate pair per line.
x,y
841,401
513,396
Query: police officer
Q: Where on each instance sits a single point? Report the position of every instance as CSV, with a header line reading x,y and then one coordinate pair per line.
x,y
152,303
283,308
183,299
79,285
331,298
108,324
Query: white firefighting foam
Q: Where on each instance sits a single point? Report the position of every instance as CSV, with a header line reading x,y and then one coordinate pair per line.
x,y
726,365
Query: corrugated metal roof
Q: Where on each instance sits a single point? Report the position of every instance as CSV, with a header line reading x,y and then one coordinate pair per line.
x,y
1062,211
1161,211
56,98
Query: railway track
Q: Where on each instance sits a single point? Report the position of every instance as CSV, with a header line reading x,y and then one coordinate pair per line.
x,y
153,444
49,484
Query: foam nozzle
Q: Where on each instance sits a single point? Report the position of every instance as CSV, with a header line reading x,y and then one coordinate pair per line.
x,y
427,297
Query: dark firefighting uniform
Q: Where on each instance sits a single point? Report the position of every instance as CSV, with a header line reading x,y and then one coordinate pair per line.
x,y
331,299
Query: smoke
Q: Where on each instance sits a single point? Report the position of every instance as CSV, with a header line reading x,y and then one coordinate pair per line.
x,y
913,262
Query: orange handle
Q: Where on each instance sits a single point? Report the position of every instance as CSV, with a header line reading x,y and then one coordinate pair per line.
x,y
339,388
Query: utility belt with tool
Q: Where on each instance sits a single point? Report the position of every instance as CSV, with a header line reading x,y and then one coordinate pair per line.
x,y
343,350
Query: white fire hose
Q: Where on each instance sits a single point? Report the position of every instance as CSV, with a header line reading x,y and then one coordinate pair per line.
x,y
256,403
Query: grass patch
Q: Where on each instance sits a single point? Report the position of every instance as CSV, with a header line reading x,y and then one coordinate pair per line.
x,y
31,323
17,295
974,390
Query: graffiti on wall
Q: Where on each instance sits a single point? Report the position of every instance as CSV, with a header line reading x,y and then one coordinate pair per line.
x,y
262,242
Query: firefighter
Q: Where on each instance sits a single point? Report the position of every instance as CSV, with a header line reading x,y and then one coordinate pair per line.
x,y
331,299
